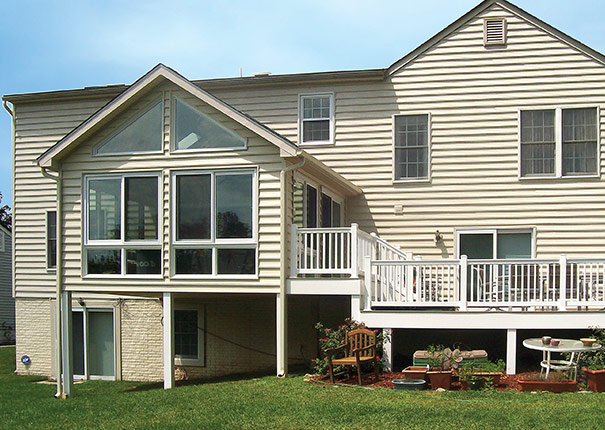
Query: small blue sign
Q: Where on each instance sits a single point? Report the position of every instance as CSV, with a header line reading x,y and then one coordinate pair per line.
x,y
26,360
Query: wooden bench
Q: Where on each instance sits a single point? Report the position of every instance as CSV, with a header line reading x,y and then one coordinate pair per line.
x,y
359,348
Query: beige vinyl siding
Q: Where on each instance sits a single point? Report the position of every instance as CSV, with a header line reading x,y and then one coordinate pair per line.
x,y
38,126
259,155
473,94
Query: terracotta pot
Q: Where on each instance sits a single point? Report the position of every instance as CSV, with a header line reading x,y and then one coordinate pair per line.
x,y
596,379
440,379
415,372
553,387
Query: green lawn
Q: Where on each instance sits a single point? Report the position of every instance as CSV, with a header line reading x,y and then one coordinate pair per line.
x,y
268,402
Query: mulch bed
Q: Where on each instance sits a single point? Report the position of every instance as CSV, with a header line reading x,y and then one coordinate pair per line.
x,y
385,380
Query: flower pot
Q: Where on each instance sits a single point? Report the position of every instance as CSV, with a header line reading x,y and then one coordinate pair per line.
x,y
440,379
553,387
415,372
596,380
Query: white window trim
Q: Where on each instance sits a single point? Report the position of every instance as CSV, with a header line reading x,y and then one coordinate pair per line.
x,y
200,361
559,143
116,338
146,109
429,146
48,267
214,243
122,245
320,189
304,96
495,231
175,150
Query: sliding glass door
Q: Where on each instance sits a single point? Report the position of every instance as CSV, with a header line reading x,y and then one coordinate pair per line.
x,y
93,343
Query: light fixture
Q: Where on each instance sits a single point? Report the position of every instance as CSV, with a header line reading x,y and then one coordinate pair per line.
x,y
438,237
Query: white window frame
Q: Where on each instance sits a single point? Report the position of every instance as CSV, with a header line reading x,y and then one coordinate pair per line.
x,y
200,361
173,142
85,310
214,243
301,120
48,266
298,177
122,244
147,108
559,143
429,146
494,231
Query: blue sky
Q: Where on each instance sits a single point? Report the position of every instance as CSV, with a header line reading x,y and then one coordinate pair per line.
x,y
52,44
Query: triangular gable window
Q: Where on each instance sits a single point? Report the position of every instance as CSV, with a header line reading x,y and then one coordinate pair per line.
x,y
144,134
195,130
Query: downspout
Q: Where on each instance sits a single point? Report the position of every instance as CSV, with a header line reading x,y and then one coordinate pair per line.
x,y
59,358
283,255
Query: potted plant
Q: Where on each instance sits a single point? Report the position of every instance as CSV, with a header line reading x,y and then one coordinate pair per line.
x,y
490,371
557,382
593,365
441,362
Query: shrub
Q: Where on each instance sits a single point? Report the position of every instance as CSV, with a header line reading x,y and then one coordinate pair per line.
x,y
332,338
443,358
595,360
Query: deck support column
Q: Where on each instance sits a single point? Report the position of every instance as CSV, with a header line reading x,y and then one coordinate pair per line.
x,y
67,372
356,308
168,334
281,328
511,351
387,348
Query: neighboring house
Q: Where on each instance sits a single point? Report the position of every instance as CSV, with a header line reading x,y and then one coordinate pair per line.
x,y
7,302
209,224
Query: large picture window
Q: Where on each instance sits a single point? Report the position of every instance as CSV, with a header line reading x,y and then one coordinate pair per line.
x,y
559,142
411,147
121,225
214,233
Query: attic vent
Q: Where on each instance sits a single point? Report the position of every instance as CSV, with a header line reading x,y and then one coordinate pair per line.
x,y
494,31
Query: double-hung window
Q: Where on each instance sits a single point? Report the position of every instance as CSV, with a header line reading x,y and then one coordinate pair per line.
x,y
214,232
316,114
189,336
51,239
411,147
121,225
559,142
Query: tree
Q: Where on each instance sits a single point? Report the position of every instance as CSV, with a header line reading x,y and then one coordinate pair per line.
x,y
6,217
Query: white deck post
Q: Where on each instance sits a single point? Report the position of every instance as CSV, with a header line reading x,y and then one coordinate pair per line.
x,y
387,348
367,283
66,344
409,279
168,319
563,282
356,308
463,282
293,250
281,328
511,351
354,268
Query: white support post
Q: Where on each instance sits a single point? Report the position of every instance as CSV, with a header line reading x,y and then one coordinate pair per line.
x,y
281,328
563,283
367,283
293,251
168,319
511,351
387,348
354,238
356,308
463,283
66,344
409,279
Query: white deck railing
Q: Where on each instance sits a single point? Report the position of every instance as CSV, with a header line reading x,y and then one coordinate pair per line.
x,y
329,251
520,284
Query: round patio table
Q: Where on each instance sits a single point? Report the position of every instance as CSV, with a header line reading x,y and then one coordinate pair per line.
x,y
565,345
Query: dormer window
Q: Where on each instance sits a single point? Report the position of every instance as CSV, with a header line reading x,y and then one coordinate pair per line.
x,y
143,134
494,31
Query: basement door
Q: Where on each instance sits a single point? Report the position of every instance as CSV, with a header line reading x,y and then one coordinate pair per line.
x,y
93,343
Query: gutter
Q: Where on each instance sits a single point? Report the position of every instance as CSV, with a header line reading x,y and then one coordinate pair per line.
x,y
283,256
59,358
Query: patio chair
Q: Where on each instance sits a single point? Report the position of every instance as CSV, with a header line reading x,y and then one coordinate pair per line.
x,y
359,348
